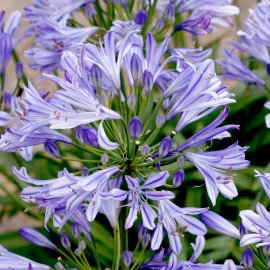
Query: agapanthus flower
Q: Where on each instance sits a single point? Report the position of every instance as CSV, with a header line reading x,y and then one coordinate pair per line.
x,y
235,70
52,38
9,259
55,9
8,33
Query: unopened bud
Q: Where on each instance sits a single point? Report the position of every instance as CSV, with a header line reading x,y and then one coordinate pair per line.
x,y
248,259
159,24
165,147
147,82
166,104
90,136
51,148
178,178
146,241
145,150
136,69
169,13
59,266
77,252
181,161
140,17
142,231
76,230
110,93
131,101
135,127
65,241
19,70
127,258
160,120
96,77
101,99
78,133
84,171
82,245
266,250
104,159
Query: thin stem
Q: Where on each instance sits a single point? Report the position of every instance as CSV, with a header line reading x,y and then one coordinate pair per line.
x,y
86,261
117,248
81,160
93,246
76,259
67,257
138,260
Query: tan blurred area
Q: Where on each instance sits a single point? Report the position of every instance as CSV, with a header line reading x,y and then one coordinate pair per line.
x,y
14,223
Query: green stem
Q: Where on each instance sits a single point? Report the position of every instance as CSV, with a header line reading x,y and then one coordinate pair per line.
x,y
117,248
151,12
138,260
93,246
86,261
81,160
68,257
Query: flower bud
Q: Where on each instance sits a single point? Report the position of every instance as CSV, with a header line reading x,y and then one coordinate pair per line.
x,y
135,127
59,266
166,103
147,82
78,133
141,17
51,148
19,70
101,99
82,245
178,178
96,77
127,258
248,259
181,161
160,120
110,93
268,69
242,230
6,51
77,252
89,11
7,100
33,236
136,69
145,150
90,136
146,241
165,146
131,101
76,230
266,251
142,231
159,24
84,171
104,159
65,241
169,13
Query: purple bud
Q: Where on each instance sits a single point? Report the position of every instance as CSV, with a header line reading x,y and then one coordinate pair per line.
x,y
248,259
19,70
77,252
142,231
82,245
101,99
78,133
136,69
159,24
131,101
165,146
141,17
160,120
178,178
96,77
6,51
59,266
169,13
147,82
266,251
33,236
146,241
89,11
127,258
7,100
145,150
65,241
51,148
243,230
268,69
90,136
181,161
104,159
76,230
84,171
110,93
166,103
135,127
